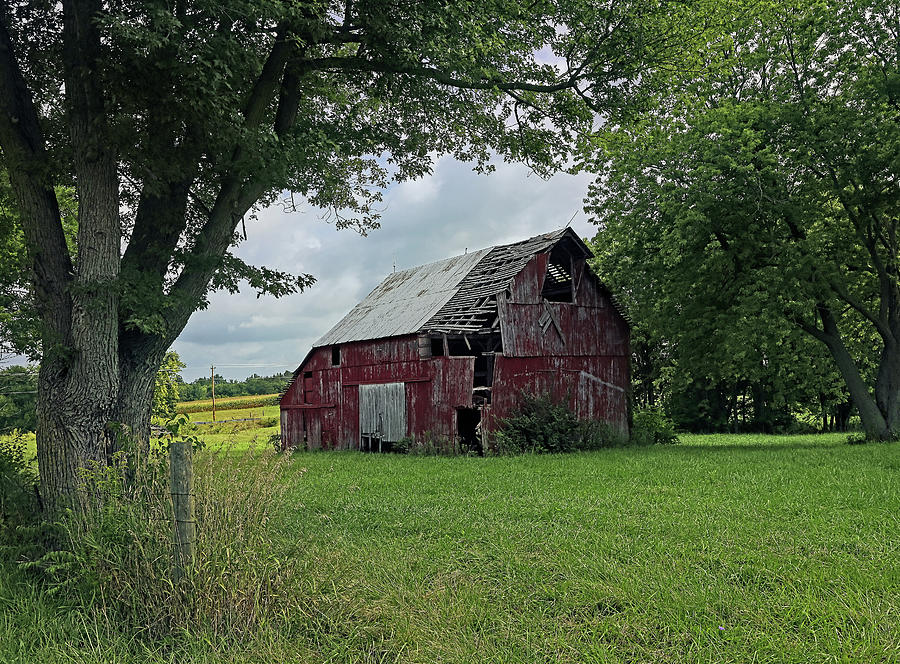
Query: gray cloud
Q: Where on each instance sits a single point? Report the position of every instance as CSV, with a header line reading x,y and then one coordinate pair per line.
x,y
439,216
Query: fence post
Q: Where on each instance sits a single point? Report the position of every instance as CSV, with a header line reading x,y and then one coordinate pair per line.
x,y
182,488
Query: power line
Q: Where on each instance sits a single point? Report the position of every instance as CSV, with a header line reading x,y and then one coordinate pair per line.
x,y
250,366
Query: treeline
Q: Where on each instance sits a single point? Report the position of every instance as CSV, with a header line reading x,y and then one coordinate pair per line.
x,y
201,388
18,391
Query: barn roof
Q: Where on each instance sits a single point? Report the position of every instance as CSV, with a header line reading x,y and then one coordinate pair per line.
x,y
453,295
404,301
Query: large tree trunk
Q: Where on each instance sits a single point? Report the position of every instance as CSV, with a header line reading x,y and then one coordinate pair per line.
x,y
877,423
79,381
887,389
140,360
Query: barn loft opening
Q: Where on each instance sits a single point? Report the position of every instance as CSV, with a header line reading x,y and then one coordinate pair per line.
x,y
558,285
335,356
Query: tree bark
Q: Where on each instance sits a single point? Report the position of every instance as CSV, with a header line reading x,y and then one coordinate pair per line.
x,y
140,358
78,384
887,389
876,423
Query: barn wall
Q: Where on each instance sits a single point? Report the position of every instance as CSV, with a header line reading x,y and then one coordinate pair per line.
x,y
432,405
580,355
593,387
328,401
589,326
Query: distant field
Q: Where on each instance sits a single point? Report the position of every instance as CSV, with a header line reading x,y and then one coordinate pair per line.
x,y
720,549
227,403
234,413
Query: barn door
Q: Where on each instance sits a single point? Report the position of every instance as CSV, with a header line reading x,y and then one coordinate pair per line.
x,y
382,415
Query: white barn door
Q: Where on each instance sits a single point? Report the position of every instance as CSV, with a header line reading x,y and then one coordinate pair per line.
x,y
382,414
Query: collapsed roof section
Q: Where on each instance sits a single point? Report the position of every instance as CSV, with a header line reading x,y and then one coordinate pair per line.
x,y
453,296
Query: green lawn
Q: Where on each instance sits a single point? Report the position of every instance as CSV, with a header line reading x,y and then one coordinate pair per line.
x,y
720,549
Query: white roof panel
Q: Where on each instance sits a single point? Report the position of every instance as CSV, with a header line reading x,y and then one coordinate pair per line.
x,y
404,301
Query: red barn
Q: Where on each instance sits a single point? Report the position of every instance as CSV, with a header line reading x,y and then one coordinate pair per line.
x,y
440,352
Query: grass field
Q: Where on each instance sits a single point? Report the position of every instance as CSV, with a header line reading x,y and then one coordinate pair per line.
x,y
234,413
720,549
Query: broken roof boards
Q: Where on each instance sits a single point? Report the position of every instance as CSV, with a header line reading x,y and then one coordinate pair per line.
x,y
451,295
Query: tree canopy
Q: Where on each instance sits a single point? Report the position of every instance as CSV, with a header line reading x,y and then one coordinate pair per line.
x,y
758,194
173,120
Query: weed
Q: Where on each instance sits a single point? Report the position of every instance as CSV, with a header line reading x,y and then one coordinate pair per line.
x,y
116,553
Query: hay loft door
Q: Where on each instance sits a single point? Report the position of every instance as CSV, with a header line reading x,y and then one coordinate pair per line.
x,y
382,416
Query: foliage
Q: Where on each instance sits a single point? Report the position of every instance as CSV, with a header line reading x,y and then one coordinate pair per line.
x,y
652,427
541,425
18,397
19,323
167,387
18,483
753,205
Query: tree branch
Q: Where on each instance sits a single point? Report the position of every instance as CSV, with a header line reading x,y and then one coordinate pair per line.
x,y
879,322
358,64
22,143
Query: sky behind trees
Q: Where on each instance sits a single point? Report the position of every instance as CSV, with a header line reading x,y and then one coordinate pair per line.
x,y
425,220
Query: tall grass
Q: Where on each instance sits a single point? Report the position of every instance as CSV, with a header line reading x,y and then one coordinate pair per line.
x,y
116,554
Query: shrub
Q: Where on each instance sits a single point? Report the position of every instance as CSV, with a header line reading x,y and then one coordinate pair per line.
x,y
540,425
651,427
18,484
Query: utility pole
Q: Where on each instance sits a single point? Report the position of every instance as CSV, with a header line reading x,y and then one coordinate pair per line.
x,y
212,373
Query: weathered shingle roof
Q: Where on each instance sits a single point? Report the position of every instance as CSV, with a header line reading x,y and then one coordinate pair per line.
x,y
453,295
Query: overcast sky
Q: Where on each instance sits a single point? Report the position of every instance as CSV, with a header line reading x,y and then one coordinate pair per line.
x,y
436,217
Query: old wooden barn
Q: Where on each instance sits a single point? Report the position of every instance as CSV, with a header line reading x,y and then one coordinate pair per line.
x,y
440,352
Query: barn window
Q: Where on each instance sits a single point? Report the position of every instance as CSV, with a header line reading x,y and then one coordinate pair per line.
x,y
437,346
558,282
335,356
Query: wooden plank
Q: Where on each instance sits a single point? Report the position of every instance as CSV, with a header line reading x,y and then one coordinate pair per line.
x,y
382,411
306,406
404,379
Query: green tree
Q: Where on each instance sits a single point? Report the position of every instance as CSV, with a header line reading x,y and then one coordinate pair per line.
x,y
762,194
178,118
18,396
167,388
19,321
